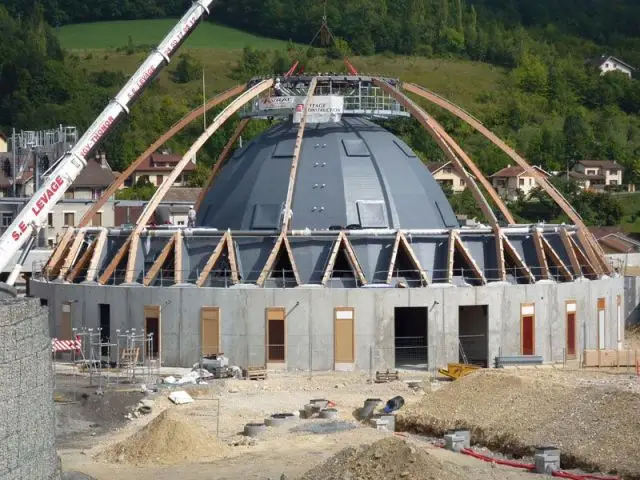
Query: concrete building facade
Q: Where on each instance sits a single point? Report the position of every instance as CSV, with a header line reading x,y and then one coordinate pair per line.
x,y
312,316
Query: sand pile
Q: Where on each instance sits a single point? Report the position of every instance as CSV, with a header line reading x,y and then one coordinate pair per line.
x,y
390,458
170,438
594,427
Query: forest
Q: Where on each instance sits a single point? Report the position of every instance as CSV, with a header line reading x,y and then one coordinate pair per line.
x,y
554,107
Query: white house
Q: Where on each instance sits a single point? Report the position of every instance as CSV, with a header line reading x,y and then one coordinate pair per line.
x,y
513,181
447,176
608,63
596,174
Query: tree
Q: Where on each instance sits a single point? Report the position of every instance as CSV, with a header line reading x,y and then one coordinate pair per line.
x,y
187,70
577,137
532,75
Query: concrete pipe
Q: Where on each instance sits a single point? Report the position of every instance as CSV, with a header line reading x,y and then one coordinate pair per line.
x,y
329,413
276,420
370,405
254,429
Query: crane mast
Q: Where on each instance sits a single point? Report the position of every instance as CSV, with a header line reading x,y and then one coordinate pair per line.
x,y
69,166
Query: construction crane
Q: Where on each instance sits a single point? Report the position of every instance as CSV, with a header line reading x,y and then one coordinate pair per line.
x,y
33,216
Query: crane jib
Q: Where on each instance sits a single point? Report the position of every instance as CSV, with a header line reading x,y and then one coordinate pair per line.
x,y
43,200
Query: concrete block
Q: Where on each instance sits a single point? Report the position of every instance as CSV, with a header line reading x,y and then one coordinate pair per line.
x,y
453,442
466,436
547,459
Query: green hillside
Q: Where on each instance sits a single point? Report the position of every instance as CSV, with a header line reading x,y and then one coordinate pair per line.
x,y
108,35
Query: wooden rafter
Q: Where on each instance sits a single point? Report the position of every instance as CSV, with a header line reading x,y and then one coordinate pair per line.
x,y
414,259
113,264
231,251
353,260
450,255
583,259
286,218
222,117
215,255
268,266
542,258
132,257
53,265
557,261
190,117
468,257
453,152
502,272
598,264
97,253
541,180
328,271
178,267
222,158
510,250
160,261
72,254
82,262
568,246
394,254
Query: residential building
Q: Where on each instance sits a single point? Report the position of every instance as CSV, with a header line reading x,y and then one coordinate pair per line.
x,y
4,144
608,63
447,176
596,174
172,210
510,182
157,167
615,240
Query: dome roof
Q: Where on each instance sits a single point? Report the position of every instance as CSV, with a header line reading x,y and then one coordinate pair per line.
x,y
350,173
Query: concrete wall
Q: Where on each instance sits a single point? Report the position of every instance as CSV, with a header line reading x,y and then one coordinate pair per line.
x,y
311,310
27,448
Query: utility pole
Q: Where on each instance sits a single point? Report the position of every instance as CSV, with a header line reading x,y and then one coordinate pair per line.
x,y
13,154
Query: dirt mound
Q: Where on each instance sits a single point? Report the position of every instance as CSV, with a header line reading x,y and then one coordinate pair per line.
x,y
390,458
168,439
594,427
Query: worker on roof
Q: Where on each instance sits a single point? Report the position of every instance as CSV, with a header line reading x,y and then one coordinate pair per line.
x,y
278,88
191,217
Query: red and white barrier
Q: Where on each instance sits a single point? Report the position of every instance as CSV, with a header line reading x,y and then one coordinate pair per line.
x,y
66,345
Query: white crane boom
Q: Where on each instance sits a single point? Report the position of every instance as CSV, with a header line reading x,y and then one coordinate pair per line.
x,y
69,166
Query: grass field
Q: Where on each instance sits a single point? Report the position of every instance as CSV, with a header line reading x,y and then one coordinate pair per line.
x,y
109,35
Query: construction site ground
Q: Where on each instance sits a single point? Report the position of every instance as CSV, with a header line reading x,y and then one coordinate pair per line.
x,y
95,438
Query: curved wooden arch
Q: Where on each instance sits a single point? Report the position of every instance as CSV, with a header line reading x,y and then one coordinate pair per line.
x,y
131,243
593,249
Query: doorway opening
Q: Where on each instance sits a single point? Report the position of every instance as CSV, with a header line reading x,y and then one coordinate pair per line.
x,y
411,333
276,335
105,326
152,327
473,334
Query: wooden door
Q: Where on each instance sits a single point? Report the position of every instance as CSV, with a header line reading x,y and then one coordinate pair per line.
x,y
601,324
276,335
152,325
66,326
210,333
571,332
528,330
344,340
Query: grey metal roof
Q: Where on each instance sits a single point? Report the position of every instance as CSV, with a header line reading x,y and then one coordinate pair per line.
x,y
350,173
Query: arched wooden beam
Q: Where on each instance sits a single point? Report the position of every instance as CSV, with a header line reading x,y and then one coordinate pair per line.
x,y
222,117
568,246
52,268
542,258
186,120
72,254
593,250
95,259
82,262
286,217
445,143
221,159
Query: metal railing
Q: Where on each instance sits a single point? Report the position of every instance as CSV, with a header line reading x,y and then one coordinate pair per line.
x,y
285,278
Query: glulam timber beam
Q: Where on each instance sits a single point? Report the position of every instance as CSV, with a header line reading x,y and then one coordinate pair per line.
x,y
328,271
222,158
286,217
53,265
97,253
468,257
593,250
542,258
220,119
446,144
414,259
451,251
583,259
186,120
72,254
568,246
82,262
353,260
394,255
215,255
502,271
115,261
178,266
268,266
510,250
231,251
557,261
159,262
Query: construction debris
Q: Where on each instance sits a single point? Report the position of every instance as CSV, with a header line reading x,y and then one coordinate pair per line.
x,y
180,397
458,370
388,376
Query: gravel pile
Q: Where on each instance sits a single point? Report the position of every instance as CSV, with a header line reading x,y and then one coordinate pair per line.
x,y
390,458
168,439
595,428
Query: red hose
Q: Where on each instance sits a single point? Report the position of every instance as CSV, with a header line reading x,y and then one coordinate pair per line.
x,y
572,476
509,463
598,477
